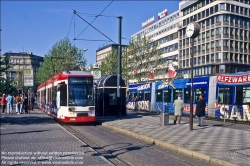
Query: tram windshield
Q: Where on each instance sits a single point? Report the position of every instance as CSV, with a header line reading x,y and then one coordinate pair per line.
x,y
81,91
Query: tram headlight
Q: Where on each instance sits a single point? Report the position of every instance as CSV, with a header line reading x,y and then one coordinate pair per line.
x,y
71,109
91,108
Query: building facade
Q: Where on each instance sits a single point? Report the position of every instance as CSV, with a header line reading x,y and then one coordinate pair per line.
x,y
164,31
104,50
19,62
223,45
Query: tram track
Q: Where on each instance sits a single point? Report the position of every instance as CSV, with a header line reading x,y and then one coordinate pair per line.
x,y
116,160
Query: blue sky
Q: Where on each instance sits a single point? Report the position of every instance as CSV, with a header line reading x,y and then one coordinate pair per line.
x,y
37,26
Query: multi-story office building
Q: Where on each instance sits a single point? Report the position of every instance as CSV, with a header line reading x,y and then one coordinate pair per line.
x,y
165,32
22,61
223,45
104,50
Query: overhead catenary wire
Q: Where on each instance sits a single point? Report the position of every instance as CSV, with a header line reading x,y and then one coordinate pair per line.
x,y
94,15
93,27
70,25
92,40
95,18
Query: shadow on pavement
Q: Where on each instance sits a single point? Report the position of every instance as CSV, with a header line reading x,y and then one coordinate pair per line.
x,y
27,120
25,132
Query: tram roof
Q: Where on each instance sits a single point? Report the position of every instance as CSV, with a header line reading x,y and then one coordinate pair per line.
x,y
64,76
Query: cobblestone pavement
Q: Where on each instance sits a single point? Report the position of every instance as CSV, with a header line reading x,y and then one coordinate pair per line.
x,y
35,139
224,143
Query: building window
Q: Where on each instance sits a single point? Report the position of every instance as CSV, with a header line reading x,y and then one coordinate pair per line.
x,y
228,7
218,43
237,9
203,59
225,43
225,56
225,18
203,35
212,57
208,34
208,46
207,12
212,32
218,18
207,58
199,16
218,31
216,8
203,14
212,44
211,10
218,56
232,8
203,47
225,30
222,6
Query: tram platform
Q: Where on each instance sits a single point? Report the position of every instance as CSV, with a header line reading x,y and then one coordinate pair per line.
x,y
216,142
36,139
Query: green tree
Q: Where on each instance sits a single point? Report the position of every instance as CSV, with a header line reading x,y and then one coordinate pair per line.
x,y
109,65
6,84
143,57
61,57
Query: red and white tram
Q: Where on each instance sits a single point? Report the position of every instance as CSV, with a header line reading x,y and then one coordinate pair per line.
x,y
68,97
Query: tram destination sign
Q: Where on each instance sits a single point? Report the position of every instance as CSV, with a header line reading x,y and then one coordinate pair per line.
x,y
28,77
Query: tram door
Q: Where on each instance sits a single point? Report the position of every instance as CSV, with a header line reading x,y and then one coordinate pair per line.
x,y
61,95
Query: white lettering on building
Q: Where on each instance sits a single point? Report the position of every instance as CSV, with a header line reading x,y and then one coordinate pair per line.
x,y
142,87
148,22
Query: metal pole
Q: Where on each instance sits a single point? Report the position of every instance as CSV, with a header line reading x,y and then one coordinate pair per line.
x,y
191,93
119,67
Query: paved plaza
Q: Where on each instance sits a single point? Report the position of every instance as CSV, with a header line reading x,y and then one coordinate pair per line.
x,y
212,141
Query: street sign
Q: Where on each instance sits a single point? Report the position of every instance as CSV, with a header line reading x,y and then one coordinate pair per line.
x,y
28,77
96,74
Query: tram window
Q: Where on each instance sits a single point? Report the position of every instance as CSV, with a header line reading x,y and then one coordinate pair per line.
x,y
158,95
186,95
132,95
246,95
177,93
146,95
140,96
198,92
225,95
167,95
63,95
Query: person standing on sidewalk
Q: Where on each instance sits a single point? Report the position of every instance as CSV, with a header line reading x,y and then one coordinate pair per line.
x,y
32,101
200,110
10,100
3,103
18,104
178,109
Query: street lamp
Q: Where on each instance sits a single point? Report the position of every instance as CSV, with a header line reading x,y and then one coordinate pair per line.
x,y
192,31
84,50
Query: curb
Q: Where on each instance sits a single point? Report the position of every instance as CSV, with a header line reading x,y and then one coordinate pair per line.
x,y
171,147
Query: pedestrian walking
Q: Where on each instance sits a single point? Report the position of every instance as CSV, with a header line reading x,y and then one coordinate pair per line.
x,y
10,100
3,103
200,110
18,104
178,109
21,105
25,105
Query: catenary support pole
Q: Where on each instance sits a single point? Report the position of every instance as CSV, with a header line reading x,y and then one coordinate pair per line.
x,y
119,104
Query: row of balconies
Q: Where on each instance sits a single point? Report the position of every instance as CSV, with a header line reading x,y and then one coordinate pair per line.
x,y
220,61
212,38
208,51
239,26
